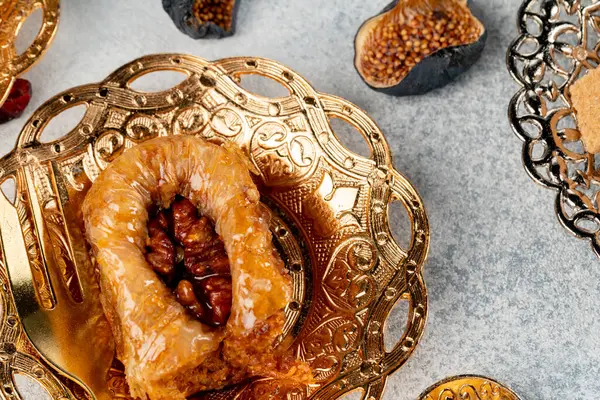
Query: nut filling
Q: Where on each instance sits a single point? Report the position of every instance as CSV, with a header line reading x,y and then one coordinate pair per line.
x,y
168,353
188,255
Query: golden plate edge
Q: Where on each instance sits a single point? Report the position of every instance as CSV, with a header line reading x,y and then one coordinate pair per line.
x,y
369,372
15,13
468,387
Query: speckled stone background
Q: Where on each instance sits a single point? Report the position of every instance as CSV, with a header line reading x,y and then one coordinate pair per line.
x,y
512,294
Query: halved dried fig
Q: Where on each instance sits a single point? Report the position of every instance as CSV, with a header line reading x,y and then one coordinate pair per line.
x,y
414,46
203,18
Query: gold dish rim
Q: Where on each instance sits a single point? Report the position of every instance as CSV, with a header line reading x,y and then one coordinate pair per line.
x,y
12,65
372,375
479,386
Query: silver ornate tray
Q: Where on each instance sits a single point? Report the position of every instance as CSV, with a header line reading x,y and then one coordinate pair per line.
x,y
559,41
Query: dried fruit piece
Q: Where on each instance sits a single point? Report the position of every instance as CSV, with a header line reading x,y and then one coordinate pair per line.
x,y
17,101
414,46
203,18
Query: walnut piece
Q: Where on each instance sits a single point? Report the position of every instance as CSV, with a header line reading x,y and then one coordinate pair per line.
x,y
201,278
161,254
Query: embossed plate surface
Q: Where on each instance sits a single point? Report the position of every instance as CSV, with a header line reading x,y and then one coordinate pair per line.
x,y
330,222
559,41
468,387
13,14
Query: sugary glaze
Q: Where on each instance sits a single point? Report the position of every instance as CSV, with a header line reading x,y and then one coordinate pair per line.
x,y
166,351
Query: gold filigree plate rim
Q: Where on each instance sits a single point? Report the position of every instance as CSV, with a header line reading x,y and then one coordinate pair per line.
x,y
376,172
13,15
468,387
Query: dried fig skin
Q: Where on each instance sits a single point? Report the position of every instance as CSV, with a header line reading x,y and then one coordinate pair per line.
x,y
434,70
182,14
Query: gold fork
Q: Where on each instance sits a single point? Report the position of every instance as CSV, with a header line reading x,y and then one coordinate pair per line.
x,y
72,336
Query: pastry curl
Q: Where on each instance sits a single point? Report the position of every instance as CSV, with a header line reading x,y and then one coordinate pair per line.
x,y
168,353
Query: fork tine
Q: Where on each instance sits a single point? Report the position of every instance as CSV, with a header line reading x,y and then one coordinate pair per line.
x,y
55,282
73,329
39,324
73,236
16,260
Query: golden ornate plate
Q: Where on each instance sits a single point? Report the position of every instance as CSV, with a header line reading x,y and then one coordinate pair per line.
x,y
13,14
468,387
559,40
330,223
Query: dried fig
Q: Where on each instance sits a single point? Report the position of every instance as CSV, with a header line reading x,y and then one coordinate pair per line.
x,y
203,18
414,46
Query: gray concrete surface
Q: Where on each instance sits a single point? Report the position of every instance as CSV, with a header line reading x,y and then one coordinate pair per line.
x,y
512,294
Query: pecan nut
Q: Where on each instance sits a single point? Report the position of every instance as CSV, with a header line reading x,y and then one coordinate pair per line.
x,y
161,250
185,250
203,249
217,290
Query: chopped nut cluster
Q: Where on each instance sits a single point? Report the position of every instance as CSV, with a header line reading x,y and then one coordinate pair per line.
x,y
219,12
185,251
401,39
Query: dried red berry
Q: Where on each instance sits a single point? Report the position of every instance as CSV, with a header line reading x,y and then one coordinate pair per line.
x,y
17,101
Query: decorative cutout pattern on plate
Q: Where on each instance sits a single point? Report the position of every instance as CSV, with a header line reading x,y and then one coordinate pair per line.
x,y
559,41
329,208
13,14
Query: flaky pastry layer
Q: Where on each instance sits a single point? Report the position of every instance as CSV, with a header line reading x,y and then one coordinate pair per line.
x,y
168,354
